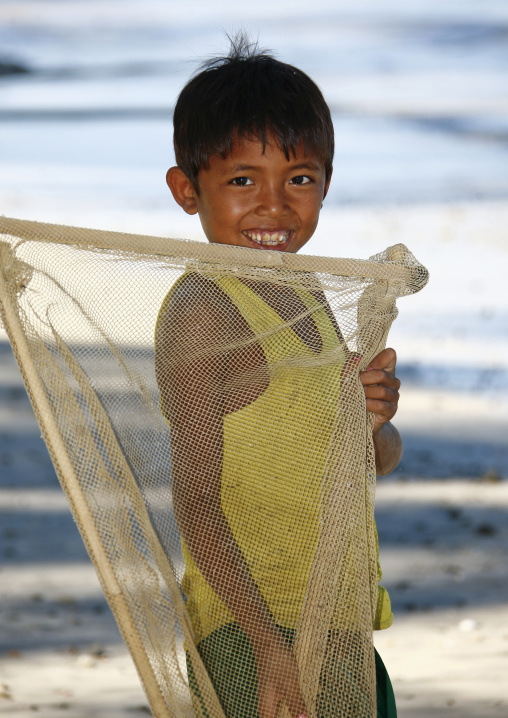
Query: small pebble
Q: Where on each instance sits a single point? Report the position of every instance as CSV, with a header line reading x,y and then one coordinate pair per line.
x,y
66,601
97,650
65,692
86,661
491,477
452,570
486,530
5,691
468,624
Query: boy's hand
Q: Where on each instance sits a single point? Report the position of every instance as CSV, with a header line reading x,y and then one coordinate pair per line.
x,y
381,387
278,679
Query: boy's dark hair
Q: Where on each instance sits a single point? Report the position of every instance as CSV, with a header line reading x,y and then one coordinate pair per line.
x,y
249,94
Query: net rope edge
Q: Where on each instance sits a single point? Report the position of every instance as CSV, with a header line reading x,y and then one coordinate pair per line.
x,y
27,230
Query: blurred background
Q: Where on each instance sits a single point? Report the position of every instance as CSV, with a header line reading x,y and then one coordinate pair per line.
x,y
419,97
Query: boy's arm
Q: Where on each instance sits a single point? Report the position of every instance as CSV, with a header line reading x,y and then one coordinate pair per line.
x,y
382,395
191,380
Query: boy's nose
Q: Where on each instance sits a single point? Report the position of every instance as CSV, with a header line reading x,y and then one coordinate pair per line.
x,y
272,202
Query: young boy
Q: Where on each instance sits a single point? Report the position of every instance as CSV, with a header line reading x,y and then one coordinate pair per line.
x,y
254,147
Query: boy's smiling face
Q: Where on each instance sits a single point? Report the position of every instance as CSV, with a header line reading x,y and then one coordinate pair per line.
x,y
256,198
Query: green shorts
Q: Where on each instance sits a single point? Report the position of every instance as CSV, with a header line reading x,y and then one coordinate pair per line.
x,y
229,659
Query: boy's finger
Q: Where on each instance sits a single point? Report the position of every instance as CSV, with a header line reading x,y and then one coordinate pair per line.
x,y
383,409
383,393
379,378
269,705
296,706
387,360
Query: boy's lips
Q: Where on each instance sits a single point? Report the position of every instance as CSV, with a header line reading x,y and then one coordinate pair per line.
x,y
268,238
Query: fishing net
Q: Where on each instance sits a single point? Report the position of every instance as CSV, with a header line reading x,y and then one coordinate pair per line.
x,y
202,408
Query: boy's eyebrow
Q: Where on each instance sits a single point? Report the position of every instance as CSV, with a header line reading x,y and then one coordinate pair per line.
x,y
247,168
240,168
306,166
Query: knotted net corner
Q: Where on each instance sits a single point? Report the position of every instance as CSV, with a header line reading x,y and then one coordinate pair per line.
x,y
202,407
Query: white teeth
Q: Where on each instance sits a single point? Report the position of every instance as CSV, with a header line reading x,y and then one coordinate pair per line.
x,y
269,238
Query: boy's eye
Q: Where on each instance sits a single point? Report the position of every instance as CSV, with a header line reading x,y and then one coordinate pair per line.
x,y
301,179
241,181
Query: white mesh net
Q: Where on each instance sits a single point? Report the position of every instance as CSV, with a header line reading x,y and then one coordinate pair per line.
x,y
223,476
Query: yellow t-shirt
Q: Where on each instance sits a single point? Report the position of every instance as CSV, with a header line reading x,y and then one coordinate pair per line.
x,y
274,455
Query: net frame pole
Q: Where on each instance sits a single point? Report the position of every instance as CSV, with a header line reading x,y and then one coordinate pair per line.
x,y
26,230
65,470
128,480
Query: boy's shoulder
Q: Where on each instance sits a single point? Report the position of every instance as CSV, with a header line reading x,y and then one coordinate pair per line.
x,y
195,307
195,292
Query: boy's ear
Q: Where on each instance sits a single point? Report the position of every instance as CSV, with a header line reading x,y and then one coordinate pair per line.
x,y
327,185
182,190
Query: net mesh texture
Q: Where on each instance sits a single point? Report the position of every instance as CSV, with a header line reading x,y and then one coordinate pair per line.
x,y
203,410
